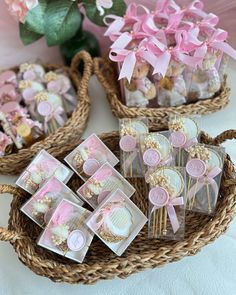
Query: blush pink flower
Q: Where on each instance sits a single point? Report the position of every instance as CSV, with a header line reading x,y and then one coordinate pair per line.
x,y
101,4
19,8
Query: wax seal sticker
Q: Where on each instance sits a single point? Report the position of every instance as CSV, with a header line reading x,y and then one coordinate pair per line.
x,y
90,166
44,108
23,130
158,196
76,240
128,143
151,157
196,168
178,139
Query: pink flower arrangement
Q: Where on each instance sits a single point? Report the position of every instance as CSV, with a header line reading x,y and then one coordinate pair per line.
x,y
20,8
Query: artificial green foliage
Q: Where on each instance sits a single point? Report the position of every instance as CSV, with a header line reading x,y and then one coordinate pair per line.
x,y
35,18
59,20
28,36
62,21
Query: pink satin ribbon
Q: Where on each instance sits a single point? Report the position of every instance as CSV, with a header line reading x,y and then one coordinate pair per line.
x,y
146,42
204,180
217,42
178,201
119,23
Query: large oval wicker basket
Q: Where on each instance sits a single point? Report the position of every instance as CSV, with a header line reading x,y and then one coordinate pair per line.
x,y
100,263
66,137
106,72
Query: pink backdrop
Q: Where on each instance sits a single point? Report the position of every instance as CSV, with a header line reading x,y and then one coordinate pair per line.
x,y
12,51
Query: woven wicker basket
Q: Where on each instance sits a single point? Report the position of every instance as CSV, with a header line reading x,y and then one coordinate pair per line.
x,y
100,263
66,137
107,75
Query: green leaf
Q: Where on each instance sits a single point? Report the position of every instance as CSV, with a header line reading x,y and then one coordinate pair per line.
x,y
27,36
62,21
118,8
35,17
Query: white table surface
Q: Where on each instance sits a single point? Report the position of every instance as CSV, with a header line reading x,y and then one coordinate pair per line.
x,y
212,271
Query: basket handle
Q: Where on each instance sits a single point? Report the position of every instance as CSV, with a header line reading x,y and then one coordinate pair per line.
x,y
82,80
6,234
226,135
100,65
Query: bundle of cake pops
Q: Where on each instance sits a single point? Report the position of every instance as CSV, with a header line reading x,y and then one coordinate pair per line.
x,y
34,102
180,174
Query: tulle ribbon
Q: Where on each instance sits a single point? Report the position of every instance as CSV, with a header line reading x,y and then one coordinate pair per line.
x,y
178,201
204,180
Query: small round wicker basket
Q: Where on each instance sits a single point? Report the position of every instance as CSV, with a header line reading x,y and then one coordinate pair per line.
x,y
107,75
66,137
100,263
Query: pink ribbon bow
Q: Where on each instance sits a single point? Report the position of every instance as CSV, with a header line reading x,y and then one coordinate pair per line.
x,y
195,8
202,181
102,214
166,7
129,57
178,201
217,42
119,23
206,25
55,114
164,54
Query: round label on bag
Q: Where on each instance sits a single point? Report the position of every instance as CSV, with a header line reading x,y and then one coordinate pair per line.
x,y
178,139
76,240
128,143
196,168
151,157
44,108
158,196
90,166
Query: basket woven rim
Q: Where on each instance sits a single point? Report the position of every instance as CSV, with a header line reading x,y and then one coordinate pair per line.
x,y
75,125
141,258
105,69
